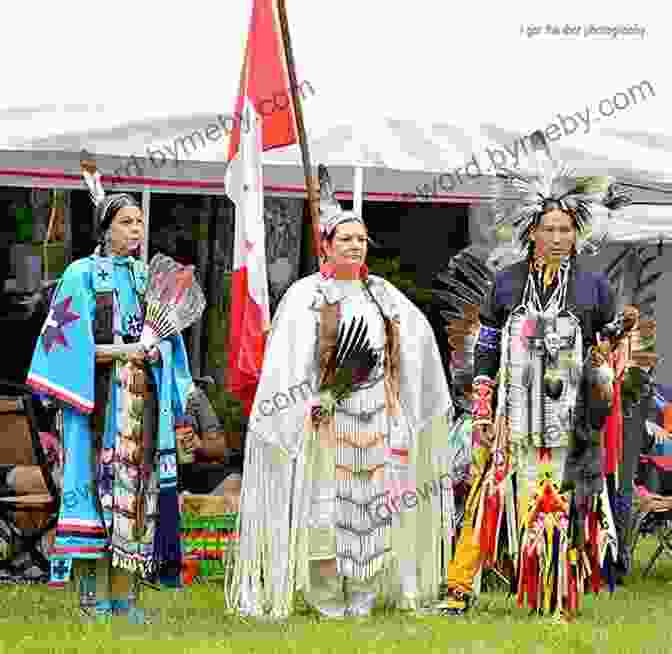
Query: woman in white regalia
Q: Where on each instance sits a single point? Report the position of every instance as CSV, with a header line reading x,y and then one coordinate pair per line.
x,y
351,416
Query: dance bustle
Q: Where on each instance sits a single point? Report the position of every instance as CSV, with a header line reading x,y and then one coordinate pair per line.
x,y
174,300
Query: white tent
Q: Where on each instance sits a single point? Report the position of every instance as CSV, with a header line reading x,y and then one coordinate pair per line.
x,y
383,143
41,146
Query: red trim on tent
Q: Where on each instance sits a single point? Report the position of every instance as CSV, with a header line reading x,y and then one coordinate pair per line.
x,y
301,190
109,179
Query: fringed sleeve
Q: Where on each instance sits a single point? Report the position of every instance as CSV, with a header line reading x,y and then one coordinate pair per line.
x,y
273,504
425,398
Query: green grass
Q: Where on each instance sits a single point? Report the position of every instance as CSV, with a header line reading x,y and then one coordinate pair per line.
x,y
635,619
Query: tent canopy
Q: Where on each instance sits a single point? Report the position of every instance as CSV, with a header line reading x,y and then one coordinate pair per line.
x,y
402,158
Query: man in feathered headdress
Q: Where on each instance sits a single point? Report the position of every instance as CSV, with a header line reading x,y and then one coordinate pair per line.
x,y
349,415
541,392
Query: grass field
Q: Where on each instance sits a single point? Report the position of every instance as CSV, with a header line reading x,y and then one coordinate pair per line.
x,y
635,619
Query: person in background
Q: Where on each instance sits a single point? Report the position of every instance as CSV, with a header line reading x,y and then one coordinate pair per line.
x,y
214,461
629,343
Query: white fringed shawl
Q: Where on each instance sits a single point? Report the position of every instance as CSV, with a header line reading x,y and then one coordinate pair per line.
x,y
277,483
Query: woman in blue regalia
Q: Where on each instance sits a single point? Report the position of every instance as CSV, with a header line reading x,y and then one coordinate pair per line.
x,y
118,518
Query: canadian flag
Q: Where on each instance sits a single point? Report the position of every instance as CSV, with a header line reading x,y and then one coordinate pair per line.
x,y
264,79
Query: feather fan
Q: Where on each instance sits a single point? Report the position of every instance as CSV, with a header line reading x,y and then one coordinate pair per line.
x,y
174,300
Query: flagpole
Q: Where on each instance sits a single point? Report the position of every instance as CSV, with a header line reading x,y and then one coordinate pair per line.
x,y
311,226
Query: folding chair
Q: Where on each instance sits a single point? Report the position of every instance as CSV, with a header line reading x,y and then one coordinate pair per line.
x,y
18,422
654,512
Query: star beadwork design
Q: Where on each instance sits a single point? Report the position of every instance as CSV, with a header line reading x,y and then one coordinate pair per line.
x,y
133,325
59,317
103,274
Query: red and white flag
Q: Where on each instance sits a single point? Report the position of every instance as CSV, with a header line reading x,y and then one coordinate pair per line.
x,y
264,80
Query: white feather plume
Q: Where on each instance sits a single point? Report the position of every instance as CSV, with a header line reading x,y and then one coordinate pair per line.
x,y
95,186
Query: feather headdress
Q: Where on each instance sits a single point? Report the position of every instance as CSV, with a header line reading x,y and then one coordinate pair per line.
x,y
554,186
331,212
106,206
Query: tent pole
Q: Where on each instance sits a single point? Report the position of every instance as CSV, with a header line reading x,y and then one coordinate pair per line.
x,y
146,200
358,190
